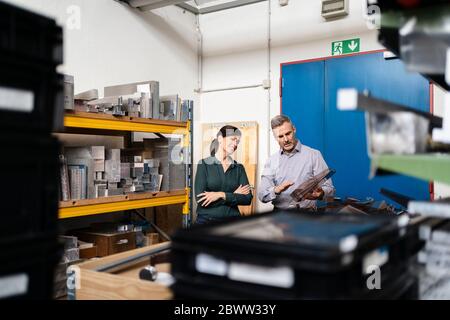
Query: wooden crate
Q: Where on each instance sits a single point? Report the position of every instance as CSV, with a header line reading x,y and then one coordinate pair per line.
x,y
88,253
123,284
109,243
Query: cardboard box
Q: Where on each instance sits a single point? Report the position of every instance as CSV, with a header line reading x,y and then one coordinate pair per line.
x,y
109,242
88,253
152,238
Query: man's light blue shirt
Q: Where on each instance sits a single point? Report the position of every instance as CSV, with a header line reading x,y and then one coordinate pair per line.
x,y
297,166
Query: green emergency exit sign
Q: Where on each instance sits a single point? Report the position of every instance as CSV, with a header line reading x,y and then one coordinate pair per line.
x,y
345,46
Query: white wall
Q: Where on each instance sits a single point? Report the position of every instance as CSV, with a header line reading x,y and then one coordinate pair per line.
x,y
236,54
245,28
116,44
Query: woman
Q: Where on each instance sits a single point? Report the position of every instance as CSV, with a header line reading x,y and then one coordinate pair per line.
x,y
221,183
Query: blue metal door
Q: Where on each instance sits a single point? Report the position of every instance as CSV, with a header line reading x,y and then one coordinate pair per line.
x,y
303,100
343,138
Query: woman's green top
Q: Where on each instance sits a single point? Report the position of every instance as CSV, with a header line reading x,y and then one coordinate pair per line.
x,y
211,177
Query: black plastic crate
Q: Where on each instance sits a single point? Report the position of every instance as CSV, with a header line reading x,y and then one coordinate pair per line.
x,y
31,96
29,189
307,286
403,287
28,36
27,268
317,264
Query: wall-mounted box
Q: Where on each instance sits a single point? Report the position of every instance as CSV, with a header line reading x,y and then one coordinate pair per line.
x,y
334,8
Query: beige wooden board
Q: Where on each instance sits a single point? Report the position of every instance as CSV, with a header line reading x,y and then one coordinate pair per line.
x,y
247,152
122,284
105,286
95,263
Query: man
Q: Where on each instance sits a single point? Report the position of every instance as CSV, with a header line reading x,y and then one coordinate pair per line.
x,y
289,167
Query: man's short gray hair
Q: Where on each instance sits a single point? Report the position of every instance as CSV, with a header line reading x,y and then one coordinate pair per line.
x,y
279,120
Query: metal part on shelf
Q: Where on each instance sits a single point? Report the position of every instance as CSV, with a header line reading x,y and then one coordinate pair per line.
x,y
417,32
351,99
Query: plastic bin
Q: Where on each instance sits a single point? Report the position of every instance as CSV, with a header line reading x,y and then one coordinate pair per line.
x,y
291,256
29,191
31,91
28,36
31,96
27,269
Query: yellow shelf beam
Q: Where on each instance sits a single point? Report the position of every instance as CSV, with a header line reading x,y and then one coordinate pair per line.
x,y
153,126
87,210
186,208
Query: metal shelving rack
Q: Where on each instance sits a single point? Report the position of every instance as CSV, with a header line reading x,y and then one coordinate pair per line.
x,y
91,123
429,29
427,166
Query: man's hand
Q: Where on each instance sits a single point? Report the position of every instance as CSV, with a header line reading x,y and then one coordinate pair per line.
x,y
286,184
242,189
208,197
317,194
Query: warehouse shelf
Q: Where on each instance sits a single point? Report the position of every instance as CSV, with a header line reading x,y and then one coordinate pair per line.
x,y
433,166
86,207
95,123
86,120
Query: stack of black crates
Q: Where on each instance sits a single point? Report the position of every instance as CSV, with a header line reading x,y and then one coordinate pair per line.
x,y
31,107
288,255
